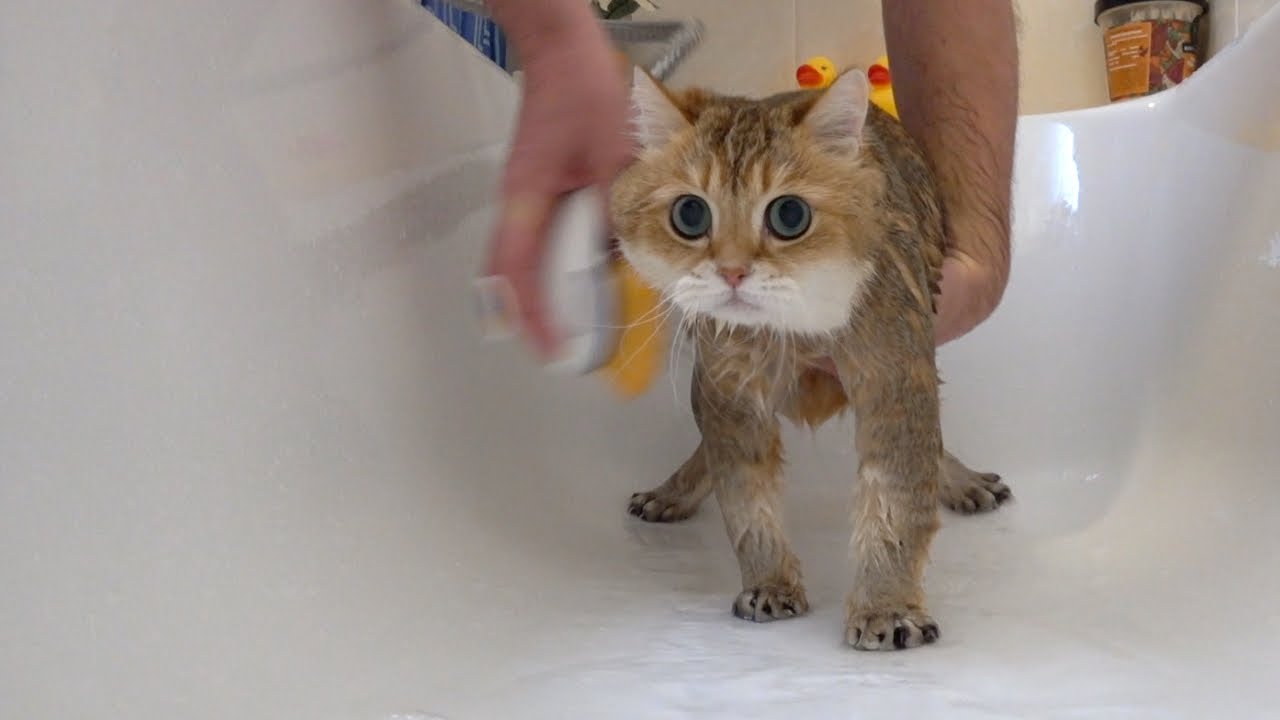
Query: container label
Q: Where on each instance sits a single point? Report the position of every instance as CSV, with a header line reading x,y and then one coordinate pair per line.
x,y
1173,53
1146,57
1129,60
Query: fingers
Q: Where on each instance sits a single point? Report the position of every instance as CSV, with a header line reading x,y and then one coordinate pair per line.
x,y
569,135
518,246
520,240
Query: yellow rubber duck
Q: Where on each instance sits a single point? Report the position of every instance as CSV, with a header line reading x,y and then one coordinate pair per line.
x,y
882,85
818,72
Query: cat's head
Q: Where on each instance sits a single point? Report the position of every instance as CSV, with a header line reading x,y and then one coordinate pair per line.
x,y
751,212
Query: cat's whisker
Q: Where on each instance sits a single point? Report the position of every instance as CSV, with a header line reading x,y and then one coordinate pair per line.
x,y
672,363
657,331
664,304
663,307
782,358
779,339
684,327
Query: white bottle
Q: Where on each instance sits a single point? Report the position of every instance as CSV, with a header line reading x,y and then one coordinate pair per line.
x,y
581,297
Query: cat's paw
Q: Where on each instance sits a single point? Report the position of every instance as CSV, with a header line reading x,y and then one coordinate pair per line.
x,y
654,506
889,628
968,491
767,603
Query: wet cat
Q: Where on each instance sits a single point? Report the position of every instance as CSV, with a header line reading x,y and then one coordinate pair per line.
x,y
801,238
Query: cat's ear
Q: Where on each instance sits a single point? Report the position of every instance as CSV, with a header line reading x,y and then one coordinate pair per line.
x,y
655,113
837,117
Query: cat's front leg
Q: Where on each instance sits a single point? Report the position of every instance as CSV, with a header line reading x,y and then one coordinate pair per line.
x,y
895,512
743,445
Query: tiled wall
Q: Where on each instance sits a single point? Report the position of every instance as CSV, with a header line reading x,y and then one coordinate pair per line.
x,y
754,46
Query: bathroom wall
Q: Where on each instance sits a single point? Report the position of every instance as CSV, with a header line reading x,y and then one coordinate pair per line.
x,y
1229,19
754,46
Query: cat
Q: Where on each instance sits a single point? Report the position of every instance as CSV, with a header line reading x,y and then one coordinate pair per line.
x,y
800,236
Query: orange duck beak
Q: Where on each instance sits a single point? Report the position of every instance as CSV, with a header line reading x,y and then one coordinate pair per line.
x,y
808,76
879,75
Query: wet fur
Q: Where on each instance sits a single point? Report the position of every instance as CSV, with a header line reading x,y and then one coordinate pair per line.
x,y
844,322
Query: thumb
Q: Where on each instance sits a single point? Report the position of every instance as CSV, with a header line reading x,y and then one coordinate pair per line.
x,y
518,245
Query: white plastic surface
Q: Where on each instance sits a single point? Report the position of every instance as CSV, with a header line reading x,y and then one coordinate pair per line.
x,y
257,463
581,294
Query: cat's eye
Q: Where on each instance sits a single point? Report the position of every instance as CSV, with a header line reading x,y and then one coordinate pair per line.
x,y
788,217
690,217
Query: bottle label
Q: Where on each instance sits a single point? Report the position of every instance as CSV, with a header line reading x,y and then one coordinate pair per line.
x,y
1148,56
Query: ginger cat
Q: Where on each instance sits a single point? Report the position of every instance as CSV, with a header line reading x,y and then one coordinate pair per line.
x,y
801,236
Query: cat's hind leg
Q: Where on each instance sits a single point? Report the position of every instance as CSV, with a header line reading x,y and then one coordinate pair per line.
x,y
679,497
969,491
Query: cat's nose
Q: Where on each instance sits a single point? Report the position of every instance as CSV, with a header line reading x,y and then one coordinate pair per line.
x,y
734,275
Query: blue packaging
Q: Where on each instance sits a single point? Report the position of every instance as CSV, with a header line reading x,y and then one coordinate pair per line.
x,y
482,32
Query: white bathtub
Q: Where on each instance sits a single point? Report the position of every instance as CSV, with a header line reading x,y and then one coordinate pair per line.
x,y
255,461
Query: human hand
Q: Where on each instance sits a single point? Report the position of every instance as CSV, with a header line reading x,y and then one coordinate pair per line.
x,y
974,276
571,133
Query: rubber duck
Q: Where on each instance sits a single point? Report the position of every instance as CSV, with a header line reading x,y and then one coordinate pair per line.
x,y
816,73
882,85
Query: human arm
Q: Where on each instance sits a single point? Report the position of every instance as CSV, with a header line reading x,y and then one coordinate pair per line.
x,y
570,134
955,78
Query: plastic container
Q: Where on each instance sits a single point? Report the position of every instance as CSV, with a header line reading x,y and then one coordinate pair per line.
x,y
1151,45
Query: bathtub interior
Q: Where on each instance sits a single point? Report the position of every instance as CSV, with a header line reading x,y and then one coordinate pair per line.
x,y
258,462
